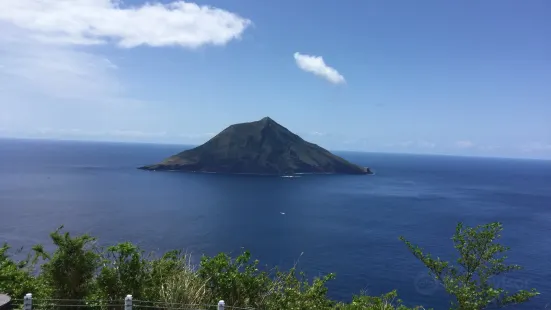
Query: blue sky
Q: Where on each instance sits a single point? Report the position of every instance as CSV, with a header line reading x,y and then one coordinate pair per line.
x,y
444,77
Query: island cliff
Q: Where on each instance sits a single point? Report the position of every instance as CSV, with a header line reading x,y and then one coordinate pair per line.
x,y
260,147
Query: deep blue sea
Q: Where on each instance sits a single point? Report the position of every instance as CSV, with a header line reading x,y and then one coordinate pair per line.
x,y
348,225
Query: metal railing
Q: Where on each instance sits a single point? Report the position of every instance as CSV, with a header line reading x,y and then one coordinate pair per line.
x,y
28,303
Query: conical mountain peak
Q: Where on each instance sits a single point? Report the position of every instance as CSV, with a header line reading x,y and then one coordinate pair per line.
x,y
266,121
258,147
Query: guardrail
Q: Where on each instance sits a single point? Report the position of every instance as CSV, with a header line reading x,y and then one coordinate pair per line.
x,y
28,303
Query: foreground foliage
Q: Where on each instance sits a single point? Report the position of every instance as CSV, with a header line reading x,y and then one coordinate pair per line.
x,y
78,269
480,259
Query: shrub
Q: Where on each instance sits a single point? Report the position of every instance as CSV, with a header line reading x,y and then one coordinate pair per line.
x,y
16,276
70,271
388,301
480,259
124,271
237,281
78,269
287,291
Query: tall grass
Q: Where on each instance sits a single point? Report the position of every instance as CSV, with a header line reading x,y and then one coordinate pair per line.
x,y
183,285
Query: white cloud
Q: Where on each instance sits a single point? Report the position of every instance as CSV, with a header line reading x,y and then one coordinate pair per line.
x,y
76,132
488,147
426,144
136,134
206,135
422,144
317,133
536,147
129,135
51,77
406,143
86,22
31,67
464,144
316,65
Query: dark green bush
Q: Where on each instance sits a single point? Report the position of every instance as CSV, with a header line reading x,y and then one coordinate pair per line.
x,y
70,271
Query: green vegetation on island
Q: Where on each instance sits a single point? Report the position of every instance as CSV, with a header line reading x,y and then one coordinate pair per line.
x,y
261,147
79,270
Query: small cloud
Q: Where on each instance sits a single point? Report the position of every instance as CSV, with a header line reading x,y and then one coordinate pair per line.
x,y
536,147
317,133
109,64
205,135
68,132
316,65
464,144
79,133
399,144
426,144
488,147
420,144
177,23
135,134
405,143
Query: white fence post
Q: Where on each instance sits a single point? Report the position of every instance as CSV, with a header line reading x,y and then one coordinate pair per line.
x,y
221,305
128,302
28,302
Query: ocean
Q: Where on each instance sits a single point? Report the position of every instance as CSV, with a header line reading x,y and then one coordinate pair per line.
x,y
348,225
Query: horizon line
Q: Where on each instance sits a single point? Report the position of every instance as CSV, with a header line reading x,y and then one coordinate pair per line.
x,y
329,149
